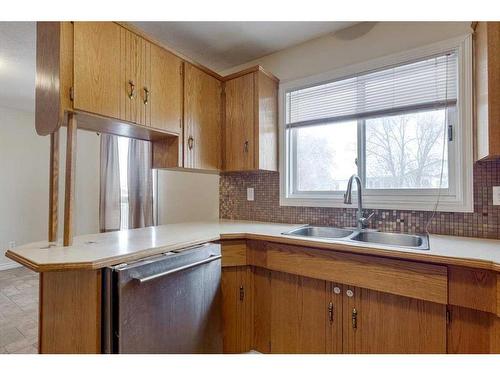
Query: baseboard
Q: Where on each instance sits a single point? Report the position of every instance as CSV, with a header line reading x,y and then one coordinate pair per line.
x,y
9,265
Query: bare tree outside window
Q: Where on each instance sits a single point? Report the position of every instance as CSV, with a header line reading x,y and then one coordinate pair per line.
x,y
405,151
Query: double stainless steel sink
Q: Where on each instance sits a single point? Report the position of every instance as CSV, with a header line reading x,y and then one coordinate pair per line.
x,y
401,240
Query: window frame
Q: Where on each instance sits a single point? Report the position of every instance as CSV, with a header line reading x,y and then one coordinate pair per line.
x,y
458,197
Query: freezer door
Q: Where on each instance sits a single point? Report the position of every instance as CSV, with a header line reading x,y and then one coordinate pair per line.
x,y
169,304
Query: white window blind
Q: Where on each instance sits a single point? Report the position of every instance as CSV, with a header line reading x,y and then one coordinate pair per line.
x,y
427,83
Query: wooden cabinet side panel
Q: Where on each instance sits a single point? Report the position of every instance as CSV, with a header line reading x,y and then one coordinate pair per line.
x,y
493,30
97,67
70,309
202,118
239,126
268,123
298,314
386,323
54,74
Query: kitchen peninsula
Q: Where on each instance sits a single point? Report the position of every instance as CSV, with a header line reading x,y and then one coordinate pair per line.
x,y
432,286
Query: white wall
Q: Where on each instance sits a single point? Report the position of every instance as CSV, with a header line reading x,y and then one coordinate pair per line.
x,y
24,170
356,44
187,196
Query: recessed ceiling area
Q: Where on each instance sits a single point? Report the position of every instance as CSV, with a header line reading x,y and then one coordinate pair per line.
x,y
222,45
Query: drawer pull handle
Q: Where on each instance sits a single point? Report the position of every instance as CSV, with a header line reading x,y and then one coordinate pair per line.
x,y
354,318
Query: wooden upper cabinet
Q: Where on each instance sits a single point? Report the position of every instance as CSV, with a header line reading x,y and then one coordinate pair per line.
x,y
251,126
97,68
162,90
131,76
202,119
487,89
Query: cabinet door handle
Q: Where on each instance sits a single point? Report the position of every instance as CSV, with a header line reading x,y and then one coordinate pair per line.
x,y
354,317
131,94
330,312
242,293
146,95
190,142
245,146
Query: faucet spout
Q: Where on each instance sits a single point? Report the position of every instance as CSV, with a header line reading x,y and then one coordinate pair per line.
x,y
360,222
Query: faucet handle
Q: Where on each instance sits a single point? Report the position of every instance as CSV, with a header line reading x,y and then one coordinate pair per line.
x,y
365,220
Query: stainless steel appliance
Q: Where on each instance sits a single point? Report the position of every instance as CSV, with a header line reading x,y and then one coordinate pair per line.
x,y
169,303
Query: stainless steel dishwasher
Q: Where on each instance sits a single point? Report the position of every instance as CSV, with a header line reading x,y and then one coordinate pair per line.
x,y
169,303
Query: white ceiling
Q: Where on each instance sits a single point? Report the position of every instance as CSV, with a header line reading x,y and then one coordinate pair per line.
x,y
223,45
17,65
218,45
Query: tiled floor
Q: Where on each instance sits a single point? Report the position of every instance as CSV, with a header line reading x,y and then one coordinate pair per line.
x,y
18,311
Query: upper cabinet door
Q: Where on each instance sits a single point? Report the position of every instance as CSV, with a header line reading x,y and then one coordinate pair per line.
x,y
240,123
163,93
97,68
202,119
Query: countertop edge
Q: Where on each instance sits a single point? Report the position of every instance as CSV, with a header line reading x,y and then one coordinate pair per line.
x,y
334,246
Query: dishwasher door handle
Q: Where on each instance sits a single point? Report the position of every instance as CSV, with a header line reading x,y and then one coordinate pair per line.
x,y
178,269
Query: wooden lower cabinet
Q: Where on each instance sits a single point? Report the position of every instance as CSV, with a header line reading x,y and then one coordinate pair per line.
x,y
376,322
294,314
237,309
299,311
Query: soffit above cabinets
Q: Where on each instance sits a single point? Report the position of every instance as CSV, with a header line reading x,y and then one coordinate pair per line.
x,y
222,45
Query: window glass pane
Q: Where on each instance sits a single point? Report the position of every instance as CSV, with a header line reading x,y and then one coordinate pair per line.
x,y
405,151
326,156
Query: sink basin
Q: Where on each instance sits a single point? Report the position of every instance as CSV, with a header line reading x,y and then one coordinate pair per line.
x,y
418,242
320,232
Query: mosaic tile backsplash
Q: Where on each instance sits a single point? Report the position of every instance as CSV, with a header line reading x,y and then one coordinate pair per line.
x,y
483,222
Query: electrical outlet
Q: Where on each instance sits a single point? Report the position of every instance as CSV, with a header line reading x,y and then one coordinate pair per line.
x,y
12,244
250,194
496,195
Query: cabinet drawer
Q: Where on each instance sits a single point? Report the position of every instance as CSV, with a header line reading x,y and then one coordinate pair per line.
x,y
410,279
473,288
234,253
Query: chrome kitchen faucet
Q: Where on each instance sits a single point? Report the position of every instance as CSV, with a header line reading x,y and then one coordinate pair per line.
x,y
361,222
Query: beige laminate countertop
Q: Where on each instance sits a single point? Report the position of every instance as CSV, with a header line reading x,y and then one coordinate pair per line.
x,y
95,251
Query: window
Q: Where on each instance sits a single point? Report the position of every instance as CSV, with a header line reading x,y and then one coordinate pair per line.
x,y
403,124
123,156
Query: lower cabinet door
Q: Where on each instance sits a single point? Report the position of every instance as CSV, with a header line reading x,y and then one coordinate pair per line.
x,y
237,309
376,322
334,327
299,314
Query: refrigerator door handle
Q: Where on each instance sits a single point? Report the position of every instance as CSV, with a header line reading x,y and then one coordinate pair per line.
x,y
178,269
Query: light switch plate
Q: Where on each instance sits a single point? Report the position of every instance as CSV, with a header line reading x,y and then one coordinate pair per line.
x,y
250,194
496,195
